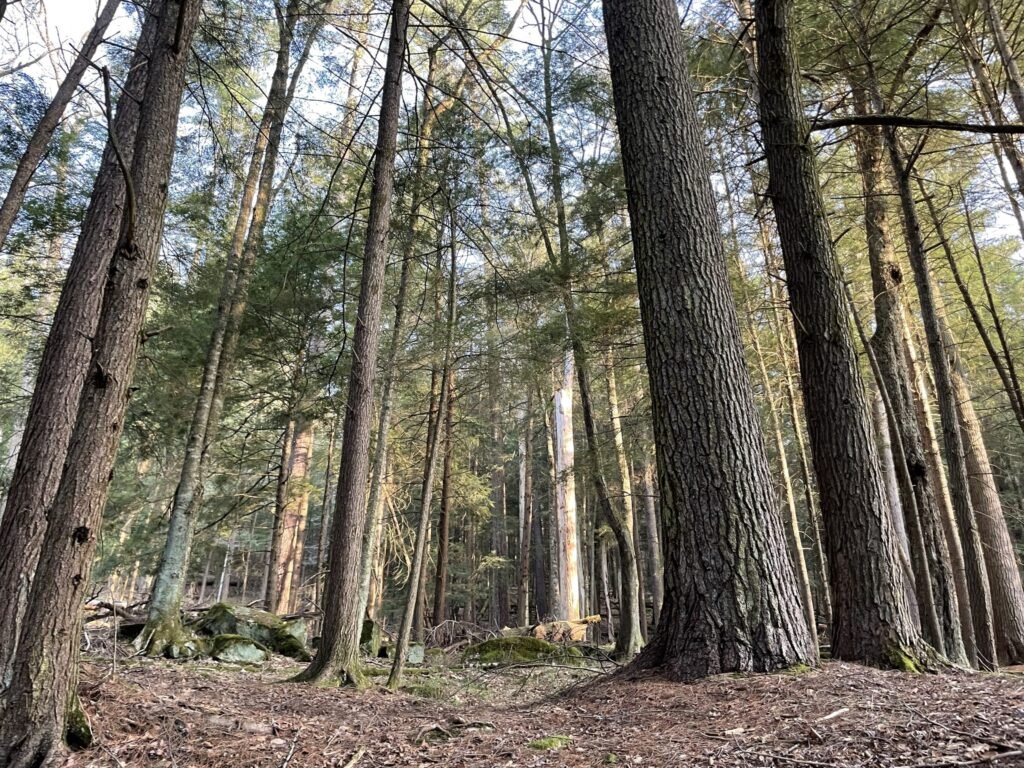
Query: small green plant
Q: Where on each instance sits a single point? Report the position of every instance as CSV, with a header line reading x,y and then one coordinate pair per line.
x,y
551,742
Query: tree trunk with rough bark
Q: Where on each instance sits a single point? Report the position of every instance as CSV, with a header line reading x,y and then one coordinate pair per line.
x,y
41,702
65,362
338,654
871,618
977,577
731,600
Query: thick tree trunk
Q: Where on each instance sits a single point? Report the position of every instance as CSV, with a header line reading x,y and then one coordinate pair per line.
x,y
42,691
51,118
731,601
871,619
338,654
65,363
326,506
275,567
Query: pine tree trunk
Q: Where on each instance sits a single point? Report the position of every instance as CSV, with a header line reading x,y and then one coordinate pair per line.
x,y
275,570
294,516
942,617
418,569
41,702
654,559
712,619
338,654
65,363
525,512
977,578
44,130
164,630
871,619
1001,560
445,516
564,485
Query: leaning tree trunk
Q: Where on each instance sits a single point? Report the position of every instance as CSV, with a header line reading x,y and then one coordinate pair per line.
x,y
1001,559
164,633
872,620
416,572
951,631
977,577
41,702
65,362
739,609
338,654
44,130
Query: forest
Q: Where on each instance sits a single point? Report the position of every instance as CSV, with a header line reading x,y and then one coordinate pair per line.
x,y
511,383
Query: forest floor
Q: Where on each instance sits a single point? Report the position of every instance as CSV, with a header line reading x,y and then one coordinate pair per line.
x,y
192,714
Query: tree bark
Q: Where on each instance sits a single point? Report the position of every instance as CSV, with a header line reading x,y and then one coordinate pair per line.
x,y
977,578
1001,560
294,516
871,618
525,512
338,654
65,362
942,616
43,133
731,601
445,516
42,691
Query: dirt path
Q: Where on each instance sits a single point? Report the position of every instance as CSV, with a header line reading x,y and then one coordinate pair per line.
x,y
189,715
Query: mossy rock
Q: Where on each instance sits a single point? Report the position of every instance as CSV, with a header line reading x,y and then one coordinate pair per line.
x,y
287,638
238,649
517,650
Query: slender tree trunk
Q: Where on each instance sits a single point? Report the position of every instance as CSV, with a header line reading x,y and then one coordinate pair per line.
x,y
326,504
525,511
206,576
712,619
444,519
41,703
338,654
871,618
1014,83
294,516
539,562
275,569
564,484
65,362
1001,559
654,558
433,442
977,578
164,631
47,125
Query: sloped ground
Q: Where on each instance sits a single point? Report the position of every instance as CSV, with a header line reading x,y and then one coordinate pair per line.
x,y
205,714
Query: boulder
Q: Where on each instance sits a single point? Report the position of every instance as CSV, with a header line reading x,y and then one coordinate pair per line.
x,y
270,631
239,649
520,649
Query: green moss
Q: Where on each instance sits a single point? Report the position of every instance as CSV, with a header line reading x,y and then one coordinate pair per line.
x,y
287,638
513,650
900,658
551,742
169,638
77,730
798,669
